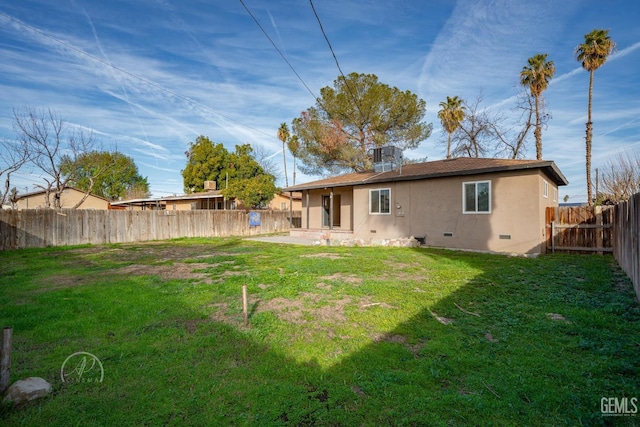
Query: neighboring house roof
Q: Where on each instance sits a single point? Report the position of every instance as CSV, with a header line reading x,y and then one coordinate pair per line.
x,y
437,169
52,191
285,194
215,194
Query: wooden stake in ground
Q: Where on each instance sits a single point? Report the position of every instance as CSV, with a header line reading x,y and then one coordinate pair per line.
x,y
5,359
245,305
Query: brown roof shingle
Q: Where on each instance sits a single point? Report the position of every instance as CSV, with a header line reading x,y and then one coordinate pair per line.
x,y
436,169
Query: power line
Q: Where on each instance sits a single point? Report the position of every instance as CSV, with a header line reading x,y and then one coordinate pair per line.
x,y
133,75
353,98
278,50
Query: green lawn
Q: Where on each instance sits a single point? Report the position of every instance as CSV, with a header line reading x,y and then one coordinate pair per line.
x,y
336,336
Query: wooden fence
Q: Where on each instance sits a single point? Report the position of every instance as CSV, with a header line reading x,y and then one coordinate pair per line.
x,y
626,239
580,229
49,227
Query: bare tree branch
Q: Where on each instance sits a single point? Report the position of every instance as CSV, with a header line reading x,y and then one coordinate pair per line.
x,y
48,142
13,155
620,177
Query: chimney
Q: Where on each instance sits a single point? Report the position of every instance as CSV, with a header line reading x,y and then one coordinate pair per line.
x,y
209,185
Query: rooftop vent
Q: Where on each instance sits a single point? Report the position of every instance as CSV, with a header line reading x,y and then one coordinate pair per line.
x,y
209,185
387,158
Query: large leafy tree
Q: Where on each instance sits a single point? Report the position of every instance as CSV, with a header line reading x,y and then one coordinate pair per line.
x,y
237,174
112,175
354,116
206,161
593,53
535,76
248,181
451,114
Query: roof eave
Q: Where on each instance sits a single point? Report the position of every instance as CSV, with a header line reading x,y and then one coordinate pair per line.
x,y
548,166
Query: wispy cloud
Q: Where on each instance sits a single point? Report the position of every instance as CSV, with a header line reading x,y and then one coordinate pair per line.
x,y
151,85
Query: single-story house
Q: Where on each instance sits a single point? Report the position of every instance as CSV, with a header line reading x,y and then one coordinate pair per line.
x,y
210,199
285,201
68,199
478,204
181,202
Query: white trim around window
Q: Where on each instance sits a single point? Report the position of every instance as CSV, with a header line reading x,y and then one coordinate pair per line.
x,y
555,194
476,197
380,201
545,189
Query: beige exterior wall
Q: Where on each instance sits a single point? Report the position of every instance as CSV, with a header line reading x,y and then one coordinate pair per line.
x,y
69,198
433,208
315,210
276,203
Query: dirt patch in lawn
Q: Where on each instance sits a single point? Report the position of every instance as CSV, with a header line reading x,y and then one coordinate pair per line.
x,y
350,278
324,255
311,308
414,348
178,270
156,251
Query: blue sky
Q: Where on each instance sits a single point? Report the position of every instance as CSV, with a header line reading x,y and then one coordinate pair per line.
x,y
149,76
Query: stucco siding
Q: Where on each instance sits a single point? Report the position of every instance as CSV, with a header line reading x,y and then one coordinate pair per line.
x,y
433,209
315,208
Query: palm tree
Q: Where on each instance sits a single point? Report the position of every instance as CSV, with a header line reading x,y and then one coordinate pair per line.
x,y
593,53
536,76
294,146
451,114
283,135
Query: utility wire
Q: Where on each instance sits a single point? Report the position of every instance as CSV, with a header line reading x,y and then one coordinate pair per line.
x,y
278,50
128,73
353,98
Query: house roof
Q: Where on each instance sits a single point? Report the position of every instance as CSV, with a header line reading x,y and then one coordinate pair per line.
x,y
68,187
214,194
437,169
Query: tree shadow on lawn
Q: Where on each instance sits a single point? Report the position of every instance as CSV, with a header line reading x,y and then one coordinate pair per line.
x,y
540,343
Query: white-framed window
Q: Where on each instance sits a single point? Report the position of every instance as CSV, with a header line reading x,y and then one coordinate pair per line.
x,y
476,197
380,201
545,189
555,194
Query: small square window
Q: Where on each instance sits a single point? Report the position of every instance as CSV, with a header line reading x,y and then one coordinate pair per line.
x,y
380,201
476,197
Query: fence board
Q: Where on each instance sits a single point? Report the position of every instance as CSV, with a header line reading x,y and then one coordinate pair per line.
x,y
49,227
580,229
626,236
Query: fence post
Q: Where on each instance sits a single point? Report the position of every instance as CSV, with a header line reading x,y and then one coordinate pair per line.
x,y
5,359
600,229
245,305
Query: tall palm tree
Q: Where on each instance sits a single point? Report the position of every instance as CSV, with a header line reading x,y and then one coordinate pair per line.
x,y
451,114
592,54
294,146
535,77
283,135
